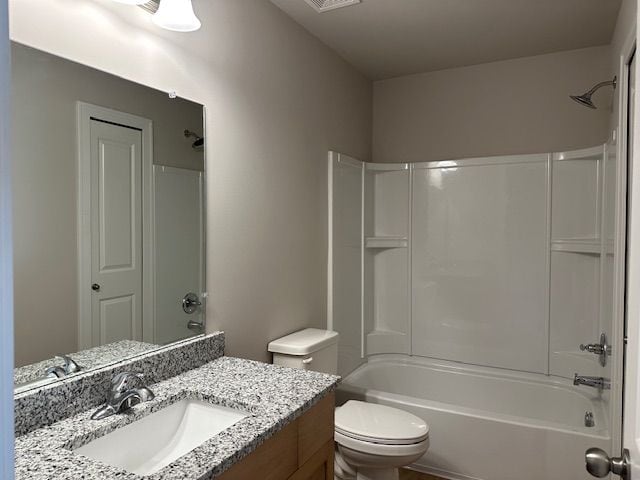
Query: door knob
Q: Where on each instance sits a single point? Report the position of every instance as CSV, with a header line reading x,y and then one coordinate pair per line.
x,y
599,464
95,287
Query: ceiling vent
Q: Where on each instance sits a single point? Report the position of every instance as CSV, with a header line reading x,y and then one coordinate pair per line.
x,y
326,5
151,6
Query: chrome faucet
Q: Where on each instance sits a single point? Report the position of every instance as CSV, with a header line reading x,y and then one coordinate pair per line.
x,y
600,383
69,367
602,349
122,397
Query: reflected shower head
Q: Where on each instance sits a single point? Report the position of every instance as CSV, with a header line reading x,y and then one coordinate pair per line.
x,y
199,142
585,98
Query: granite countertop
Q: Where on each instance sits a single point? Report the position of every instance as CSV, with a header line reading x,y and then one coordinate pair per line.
x,y
273,395
87,359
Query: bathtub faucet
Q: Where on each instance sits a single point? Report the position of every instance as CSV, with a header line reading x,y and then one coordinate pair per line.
x,y
600,383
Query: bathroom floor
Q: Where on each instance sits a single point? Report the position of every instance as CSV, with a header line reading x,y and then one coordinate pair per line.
x,y
411,475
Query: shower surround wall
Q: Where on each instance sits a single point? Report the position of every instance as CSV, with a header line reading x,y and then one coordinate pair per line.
x,y
502,262
479,270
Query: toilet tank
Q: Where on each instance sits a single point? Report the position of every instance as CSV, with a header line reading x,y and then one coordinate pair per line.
x,y
308,349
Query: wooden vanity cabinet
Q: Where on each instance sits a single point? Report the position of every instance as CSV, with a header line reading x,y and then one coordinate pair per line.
x,y
303,450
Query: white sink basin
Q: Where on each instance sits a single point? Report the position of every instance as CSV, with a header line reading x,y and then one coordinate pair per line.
x,y
153,442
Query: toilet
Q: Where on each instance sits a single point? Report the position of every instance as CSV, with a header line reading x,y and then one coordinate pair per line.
x,y
372,441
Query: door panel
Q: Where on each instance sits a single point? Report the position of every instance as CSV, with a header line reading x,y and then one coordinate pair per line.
x,y
117,192
116,232
117,316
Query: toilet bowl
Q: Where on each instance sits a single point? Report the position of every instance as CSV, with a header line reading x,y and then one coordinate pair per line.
x,y
373,441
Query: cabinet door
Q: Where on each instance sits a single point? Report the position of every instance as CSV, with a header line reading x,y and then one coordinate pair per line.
x,y
276,459
315,428
319,466
320,473
303,450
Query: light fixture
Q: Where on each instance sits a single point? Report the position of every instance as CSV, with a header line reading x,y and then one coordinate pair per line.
x,y
131,2
176,15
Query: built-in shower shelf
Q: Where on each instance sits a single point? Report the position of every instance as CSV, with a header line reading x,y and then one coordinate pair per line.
x,y
386,167
386,242
385,341
588,246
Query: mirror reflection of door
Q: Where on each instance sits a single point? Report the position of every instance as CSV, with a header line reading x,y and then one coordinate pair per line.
x,y
116,233
143,258
115,295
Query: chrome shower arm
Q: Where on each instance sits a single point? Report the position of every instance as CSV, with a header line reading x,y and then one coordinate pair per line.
x,y
613,83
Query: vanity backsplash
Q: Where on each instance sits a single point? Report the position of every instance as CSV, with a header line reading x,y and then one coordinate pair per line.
x,y
44,406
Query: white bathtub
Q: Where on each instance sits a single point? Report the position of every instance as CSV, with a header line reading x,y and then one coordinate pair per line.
x,y
485,423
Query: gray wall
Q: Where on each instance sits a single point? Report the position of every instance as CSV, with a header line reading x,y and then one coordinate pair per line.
x,y
277,100
627,19
509,107
283,101
45,90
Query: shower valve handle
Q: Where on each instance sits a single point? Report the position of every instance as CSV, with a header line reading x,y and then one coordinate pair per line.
x,y
602,349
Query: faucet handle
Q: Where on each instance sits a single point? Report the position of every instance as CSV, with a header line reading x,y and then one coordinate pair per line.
x,y
122,397
120,381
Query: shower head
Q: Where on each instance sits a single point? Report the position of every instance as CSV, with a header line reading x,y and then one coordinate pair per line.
x,y
199,141
585,98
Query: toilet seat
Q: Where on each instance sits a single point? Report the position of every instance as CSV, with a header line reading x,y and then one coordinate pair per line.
x,y
379,424
373,441
381,449
381,441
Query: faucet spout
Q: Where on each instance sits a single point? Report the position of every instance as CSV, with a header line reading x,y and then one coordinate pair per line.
x,y
123,404
600,383
122,397
69,367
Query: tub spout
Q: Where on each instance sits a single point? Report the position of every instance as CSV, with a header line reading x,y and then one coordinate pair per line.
x,y
600,383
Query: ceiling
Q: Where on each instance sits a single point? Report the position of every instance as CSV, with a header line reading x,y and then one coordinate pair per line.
x,y
391,38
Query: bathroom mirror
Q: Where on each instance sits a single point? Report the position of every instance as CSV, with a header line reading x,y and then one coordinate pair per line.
x,y
109,218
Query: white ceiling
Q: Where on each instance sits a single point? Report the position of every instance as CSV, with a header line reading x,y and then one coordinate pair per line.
x,y
390,38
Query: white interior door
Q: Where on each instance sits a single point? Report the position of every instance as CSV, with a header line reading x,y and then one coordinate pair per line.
x,y
116,232
631,427
178,252
626,464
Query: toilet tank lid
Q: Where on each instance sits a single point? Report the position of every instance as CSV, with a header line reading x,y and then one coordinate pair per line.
x,y
304,342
